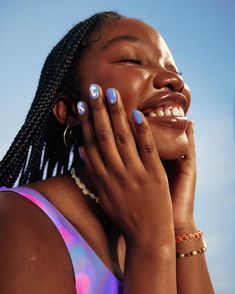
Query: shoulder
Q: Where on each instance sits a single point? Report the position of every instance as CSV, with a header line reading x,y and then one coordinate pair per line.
x,y
34,258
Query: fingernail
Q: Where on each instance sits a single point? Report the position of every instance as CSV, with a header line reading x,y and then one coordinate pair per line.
x,y
193,124
137,117
80,153
94,91
111,96
81,106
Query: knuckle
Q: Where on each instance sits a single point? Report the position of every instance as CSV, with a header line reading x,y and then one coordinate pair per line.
x,y
84,120
122,139
163,179
147,148
116,109
103,135
89,142
160,180
144,128
100,175
138,176
120,178
97,105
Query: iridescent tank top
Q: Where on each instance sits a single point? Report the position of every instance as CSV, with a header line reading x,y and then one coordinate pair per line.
x,y
90,274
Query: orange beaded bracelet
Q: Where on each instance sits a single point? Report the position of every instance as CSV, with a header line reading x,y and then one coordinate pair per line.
x,y
188,237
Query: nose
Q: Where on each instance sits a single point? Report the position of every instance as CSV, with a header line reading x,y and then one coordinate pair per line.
x,y
168,79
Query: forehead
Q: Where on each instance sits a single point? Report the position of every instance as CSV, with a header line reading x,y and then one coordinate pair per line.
x,y
132,30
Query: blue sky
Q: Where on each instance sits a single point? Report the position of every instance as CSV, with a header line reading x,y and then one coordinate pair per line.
x,y
201,37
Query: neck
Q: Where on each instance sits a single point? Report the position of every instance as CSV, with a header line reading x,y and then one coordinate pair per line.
x,y
82,174
116,243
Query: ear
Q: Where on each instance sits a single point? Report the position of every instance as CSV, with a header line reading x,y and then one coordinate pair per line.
x,y
63,111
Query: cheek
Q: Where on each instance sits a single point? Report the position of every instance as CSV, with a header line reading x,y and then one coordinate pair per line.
x,y
131,82
133,85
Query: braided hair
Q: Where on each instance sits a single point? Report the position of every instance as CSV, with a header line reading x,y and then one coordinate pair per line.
x,y
33,151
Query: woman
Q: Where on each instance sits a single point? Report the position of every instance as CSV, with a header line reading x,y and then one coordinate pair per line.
x,y
109,109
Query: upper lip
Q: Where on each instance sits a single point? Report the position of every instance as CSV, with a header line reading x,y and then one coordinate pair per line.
x,y
165,99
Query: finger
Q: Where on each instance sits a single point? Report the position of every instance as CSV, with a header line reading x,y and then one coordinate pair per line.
x,y
122,132
146,144
89,139
190,134
103,128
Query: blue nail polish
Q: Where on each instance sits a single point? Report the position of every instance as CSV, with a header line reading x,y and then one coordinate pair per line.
x,y
137,117
80,153
81,106
111,96
94,91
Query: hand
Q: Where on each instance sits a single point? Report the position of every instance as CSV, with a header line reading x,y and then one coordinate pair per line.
x,y
182,180
132,186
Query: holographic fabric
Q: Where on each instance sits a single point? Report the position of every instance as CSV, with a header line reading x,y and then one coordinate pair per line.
x,y
90,274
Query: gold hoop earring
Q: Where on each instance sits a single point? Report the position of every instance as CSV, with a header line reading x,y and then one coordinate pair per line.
x,y
69,137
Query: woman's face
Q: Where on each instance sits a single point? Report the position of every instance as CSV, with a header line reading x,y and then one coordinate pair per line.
x,y
133,58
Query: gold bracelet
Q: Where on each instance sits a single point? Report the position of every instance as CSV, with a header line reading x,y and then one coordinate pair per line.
x,y
193,253
188,237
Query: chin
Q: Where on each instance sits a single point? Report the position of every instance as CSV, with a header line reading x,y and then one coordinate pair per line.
x,y
172,149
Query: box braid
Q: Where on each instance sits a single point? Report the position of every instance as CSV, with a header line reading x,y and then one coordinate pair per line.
x,y
39,147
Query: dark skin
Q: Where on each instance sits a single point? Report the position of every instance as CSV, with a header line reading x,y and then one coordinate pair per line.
x,y
146,67
115,153
149,69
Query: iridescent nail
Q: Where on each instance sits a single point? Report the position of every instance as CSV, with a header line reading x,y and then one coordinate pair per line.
x,y
81,106
137,117
111,96
80,153
94,91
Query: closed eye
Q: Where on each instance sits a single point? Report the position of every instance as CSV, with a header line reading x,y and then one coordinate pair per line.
x,y
135,61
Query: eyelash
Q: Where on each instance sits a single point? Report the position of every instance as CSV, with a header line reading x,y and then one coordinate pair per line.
x,y
175,71
136,61
179,73
139,62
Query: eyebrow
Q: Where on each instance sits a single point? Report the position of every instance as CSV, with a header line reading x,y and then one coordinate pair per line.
x,y
120,39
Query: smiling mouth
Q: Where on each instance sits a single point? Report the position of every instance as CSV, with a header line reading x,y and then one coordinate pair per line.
x,y
170,121
173,111
167,109
171,117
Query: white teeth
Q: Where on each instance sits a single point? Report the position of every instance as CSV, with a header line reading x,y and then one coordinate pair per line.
x,y
167,112
160,112
152,114
175,111
181,111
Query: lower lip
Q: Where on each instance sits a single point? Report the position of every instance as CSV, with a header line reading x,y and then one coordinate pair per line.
x,y
175,122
